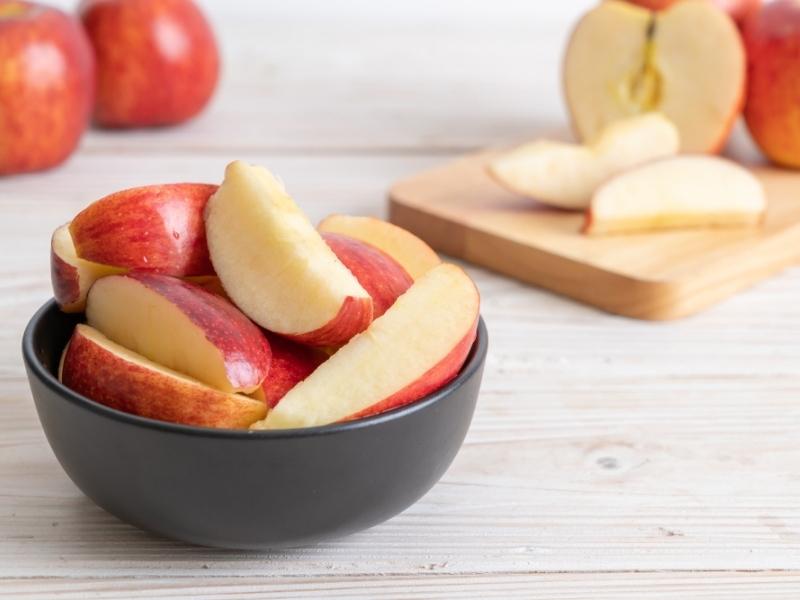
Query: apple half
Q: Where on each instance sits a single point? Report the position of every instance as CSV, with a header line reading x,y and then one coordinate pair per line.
x,y
566,175
72,276
181,326
417,346
95,367
157,227
685,191
414,255
291,364
687,62
276,267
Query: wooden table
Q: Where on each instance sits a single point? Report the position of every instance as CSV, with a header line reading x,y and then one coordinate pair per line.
x,y
608,458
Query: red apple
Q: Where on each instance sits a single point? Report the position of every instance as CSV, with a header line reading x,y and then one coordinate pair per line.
x,y
157,228
157,60
378,273
46,86
182,327
291,364
772,108
110,374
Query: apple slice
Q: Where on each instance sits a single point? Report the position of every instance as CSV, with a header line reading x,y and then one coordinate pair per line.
x,y
416,347
181,326
377,272
96,367
291,364
566,175
687,62
414,255
72,276
276,267
157,227
685,191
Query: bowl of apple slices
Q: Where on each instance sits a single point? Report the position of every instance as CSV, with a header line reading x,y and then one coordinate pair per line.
x,y
215,369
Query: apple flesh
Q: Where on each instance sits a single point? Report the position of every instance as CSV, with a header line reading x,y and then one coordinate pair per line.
x,y
378,273
72,276
566,175
685,191
96,367
414,255
46,89
157,60
686,62
737,9
157,227
772,110
181,326
417,346
291,364
276,267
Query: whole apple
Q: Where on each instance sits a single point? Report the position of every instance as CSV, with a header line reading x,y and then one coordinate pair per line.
x,y
46,86
772,108
157,60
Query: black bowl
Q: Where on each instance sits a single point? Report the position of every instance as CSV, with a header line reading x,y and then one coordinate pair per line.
x,y
243,489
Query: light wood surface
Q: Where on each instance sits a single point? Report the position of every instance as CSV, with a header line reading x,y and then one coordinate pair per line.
x,y
608,458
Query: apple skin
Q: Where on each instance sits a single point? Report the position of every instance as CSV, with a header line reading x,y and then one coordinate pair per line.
x,y
353,317
291,363
103,371
157,60
156,228
378,273
737,9
772,107
46,89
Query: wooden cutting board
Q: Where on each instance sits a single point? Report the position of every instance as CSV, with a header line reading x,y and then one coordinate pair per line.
x,y
460,211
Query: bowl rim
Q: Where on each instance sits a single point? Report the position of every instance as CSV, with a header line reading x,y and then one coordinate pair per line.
x,y
475,360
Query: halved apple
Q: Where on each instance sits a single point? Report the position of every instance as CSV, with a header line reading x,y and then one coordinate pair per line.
x,y
156,227
276,267
685,191
291,364
687,62
377,272
112,375
181,326
72,276
417,346
414,255
566,175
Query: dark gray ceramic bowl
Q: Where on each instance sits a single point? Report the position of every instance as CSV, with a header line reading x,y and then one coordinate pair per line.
x,y
240,489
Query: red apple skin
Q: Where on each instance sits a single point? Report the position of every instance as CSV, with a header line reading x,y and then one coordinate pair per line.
x,y
772,107
378,273
291,364
157,60
46,87
65,280
97,373
156,228
353,318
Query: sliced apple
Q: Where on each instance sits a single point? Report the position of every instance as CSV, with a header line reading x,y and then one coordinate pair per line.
x,y
112,375
291,364
377,272
181,326
276,267
566,175
157,227
72,276
687,62
685,191
414,255
417,346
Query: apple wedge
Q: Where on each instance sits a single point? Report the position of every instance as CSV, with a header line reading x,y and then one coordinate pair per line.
x,y
687,62
276,267
566,175
96,367
414,255
417,346
72,276
685,191
378,273
157,227
181,326
291,364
